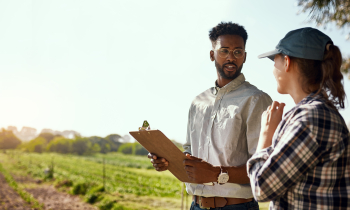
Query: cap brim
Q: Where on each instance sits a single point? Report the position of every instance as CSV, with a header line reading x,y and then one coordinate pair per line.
x,y
270,55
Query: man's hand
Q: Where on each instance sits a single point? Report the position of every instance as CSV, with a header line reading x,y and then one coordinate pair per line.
x,y
200,171
160,164
269,122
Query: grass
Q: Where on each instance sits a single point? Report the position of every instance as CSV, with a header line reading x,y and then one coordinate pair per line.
x,y
130,181
132,184
119,159
27,197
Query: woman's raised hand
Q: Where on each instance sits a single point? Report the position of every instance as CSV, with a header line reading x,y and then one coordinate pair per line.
x,y
269,122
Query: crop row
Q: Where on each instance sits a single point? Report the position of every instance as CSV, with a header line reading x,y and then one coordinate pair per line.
x,y
117,178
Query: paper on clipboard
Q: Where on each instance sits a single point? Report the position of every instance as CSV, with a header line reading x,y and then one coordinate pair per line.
x,y
154,141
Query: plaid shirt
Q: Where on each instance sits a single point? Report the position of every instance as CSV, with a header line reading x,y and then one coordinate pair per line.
x,y
308,164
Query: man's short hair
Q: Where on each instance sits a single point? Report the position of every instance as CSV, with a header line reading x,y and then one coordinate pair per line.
x,y
227,28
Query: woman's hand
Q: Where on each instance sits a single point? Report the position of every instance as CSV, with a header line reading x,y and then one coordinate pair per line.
x,y
269,122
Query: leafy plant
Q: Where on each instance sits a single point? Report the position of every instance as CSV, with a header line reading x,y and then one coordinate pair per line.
x,y
94,194
106,204
80,188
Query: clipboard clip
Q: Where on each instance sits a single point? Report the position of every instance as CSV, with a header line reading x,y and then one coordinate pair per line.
x,y
145,126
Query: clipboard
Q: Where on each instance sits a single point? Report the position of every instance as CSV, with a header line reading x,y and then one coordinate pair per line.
x,y
155,142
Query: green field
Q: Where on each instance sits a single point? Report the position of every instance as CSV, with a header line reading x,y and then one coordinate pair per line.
x,y
130,181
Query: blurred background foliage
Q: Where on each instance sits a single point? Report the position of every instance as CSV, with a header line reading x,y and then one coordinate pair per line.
x,y
327,12
47,142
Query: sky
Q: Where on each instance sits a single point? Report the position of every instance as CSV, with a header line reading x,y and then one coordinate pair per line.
x,y
102,67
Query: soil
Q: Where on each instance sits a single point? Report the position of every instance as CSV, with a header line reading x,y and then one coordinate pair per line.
x,y
45,194
52,199
9,199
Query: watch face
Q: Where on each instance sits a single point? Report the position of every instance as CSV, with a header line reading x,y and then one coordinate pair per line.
x,y
223,178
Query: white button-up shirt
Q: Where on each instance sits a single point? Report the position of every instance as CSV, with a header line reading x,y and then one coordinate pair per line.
x,y
223,129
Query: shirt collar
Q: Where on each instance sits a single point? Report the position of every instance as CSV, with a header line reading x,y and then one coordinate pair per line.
x,y
307,100
234,84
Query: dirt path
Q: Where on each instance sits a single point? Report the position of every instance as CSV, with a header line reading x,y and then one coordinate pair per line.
x,y
52,199
9,199
45,194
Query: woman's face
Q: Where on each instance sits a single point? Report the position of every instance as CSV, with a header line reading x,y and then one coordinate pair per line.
x,y
280,74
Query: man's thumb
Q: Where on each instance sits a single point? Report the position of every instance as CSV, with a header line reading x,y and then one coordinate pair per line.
x,y
192,157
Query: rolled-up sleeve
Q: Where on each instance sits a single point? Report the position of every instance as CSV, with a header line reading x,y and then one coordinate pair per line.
x,y
273,170
187,145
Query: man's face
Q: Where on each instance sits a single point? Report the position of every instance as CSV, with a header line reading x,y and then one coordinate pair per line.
x,y
230,67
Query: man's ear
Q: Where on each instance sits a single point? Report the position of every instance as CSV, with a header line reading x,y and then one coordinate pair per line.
x,y
245,57
212,55
287,63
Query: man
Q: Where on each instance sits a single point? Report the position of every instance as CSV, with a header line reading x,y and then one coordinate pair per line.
x,y
223,128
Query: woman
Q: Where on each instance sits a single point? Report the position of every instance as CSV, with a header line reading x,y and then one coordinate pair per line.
x,y
303,160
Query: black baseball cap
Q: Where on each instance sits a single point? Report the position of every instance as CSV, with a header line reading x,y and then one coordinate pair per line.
x,y
307,43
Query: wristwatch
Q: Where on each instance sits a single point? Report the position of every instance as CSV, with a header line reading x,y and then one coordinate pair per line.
x,y
223,177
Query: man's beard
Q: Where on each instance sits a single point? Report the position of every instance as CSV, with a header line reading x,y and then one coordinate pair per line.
x,y
220,69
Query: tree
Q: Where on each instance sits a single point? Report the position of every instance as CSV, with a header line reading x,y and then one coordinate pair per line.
x,y
8,140
324,12
107,144
81,146
36,145
114,141
96,148
48,136
126,148
60,145
139,149
38,148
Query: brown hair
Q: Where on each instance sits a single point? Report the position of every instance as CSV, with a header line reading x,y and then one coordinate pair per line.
x,y
325,75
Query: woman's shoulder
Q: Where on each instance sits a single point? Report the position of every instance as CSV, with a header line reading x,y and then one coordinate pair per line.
x,y
319,116
315,110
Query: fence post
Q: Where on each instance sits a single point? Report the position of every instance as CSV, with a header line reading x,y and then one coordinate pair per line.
x,y
51,168
104,174
182,196
186,200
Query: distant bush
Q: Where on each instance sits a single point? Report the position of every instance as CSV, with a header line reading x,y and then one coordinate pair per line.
x,y
81,146
48,136
60,145
139,149
126,148
133,148
36,145
38,148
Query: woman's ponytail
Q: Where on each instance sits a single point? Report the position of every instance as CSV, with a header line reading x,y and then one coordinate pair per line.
x,y
332,76
325,75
